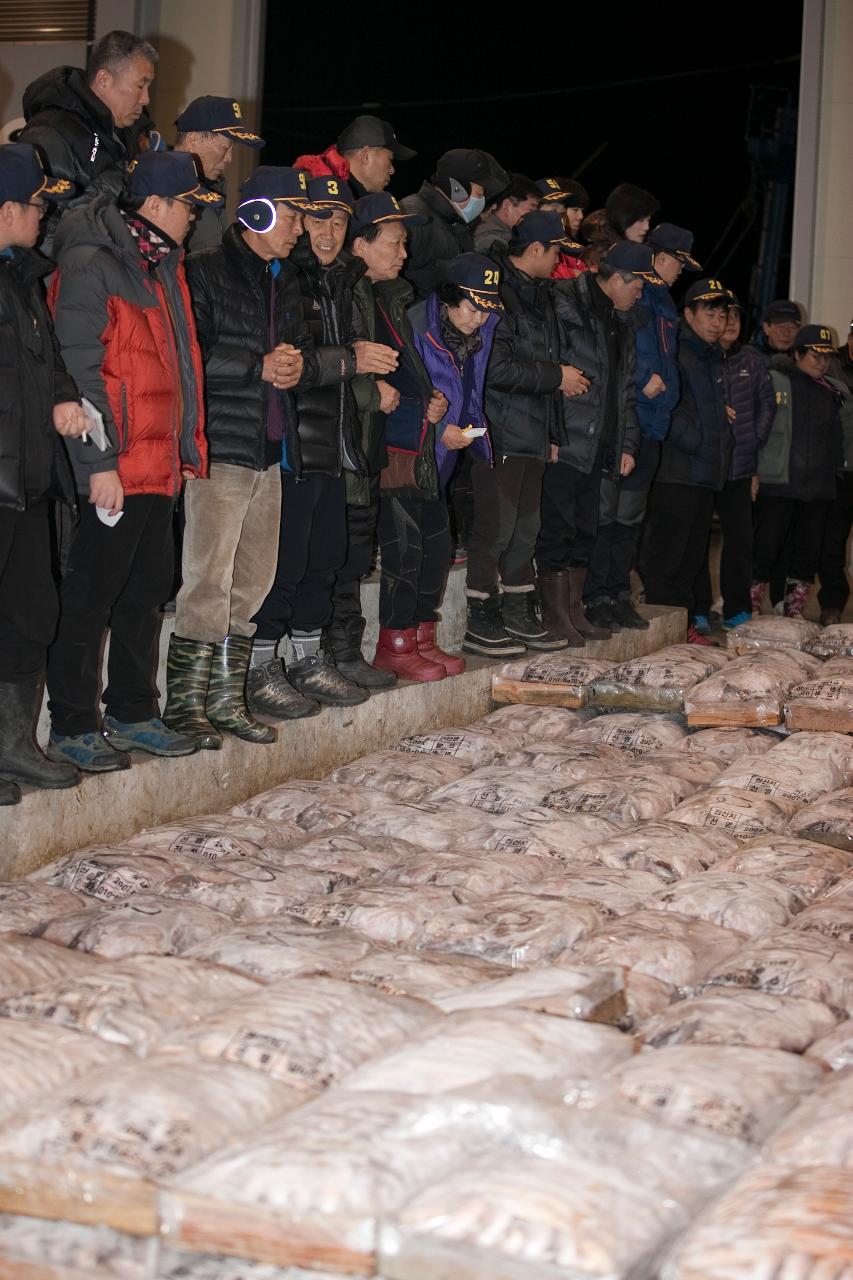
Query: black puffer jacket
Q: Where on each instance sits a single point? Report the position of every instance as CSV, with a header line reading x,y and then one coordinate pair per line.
x,y
327,416
33,462
440,240
698,449
524,370
583,343
230,288
816,451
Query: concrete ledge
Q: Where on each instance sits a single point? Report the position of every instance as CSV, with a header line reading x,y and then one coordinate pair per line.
x,y
666,626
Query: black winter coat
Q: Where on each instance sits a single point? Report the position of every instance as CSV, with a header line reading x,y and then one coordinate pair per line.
x,y
33,462
441,240
816,451
327,415
230,288
698,449
524,370
583,343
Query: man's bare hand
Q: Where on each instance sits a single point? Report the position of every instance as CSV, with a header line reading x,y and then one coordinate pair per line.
x,y
69,418
654,387
389,397
753,488
455,438
437,407
374,357
730,413
283,366
627,464
553,453
105,490
573,382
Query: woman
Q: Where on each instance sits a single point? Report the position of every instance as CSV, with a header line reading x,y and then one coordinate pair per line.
x,y
796,470
451,334
569,198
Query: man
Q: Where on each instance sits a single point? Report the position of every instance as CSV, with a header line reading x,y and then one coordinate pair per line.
x,y
775,335
695,457
519,198
39,404
363,156
124,323
313,531
83,122
598,437
208,129
452,199
524,375
657,389
256,349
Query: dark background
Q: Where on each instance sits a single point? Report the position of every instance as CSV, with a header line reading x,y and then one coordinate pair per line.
x,y
663,98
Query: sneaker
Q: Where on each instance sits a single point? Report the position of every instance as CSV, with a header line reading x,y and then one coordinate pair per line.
x,y
738,620
270,693
695,637
702,624
88,751
318,679
151,736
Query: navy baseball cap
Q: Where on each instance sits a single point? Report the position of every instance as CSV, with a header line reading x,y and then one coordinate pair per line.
x,y
370,131
172,174
636,259
678,243
382,207
328,192
217,115
478,278
23,176
781,310
279,184
707,290
543,227
564,190
817,338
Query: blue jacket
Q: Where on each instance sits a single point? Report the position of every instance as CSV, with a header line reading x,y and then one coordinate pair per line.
x,y
447,377
656,320
750,393
698,449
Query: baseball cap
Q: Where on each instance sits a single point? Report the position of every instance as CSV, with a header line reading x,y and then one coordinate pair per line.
x,y
23,176
668,238
370,131
328,192
781,310
382,207
564,190
637,259
817,338
469,164
172,174
707,290
478,278
280,184
735,302
217,115
542,227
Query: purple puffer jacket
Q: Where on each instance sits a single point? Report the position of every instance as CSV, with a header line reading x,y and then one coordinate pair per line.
x,y
750,393
446,377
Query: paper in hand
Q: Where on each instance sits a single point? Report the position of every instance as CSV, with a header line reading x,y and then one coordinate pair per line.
x,y
96,430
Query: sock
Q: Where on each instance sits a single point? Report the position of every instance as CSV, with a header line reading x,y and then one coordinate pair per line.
x,y
263,651
306,644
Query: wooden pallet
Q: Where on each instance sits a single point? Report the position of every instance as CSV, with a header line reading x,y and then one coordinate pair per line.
x,y
79,1193
537,695
744,715
802,717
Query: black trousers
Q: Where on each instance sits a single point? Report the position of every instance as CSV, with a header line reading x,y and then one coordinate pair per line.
x,y
311,549
674,550
346,628
29,605
414,539
507,498
117,577
622,508
734,507
786,525
832,570
460,497
570,506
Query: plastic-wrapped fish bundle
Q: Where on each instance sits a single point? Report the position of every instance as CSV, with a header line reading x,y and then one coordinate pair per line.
x,y
748,904
27,905
755,1019
430,826
36,1249
593,994
808,868
570,761
535,724
658,682
772,1222
645,996
475,746
497,790
824,704
307,1032
836,747
282,947
742,814
36,1060
727,742
633,732
790,963
516,929
555,679
299,808
669,850
828,820
432,978
713,658
612,892
566,838
820,1131
698,770
345,852
130,1003
771,633
112,873
831,918
835,1049
247,890
213,837
399,776
793,778
835,641
477,875
675,949
184,1266
388,914
145,924
749,691
738,1092
27,964
624,798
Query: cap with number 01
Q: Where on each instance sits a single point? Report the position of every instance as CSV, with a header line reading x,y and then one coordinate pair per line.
x,y
478,278
817,337
272,185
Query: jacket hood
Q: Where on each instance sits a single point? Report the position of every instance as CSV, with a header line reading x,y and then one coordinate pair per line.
x,y
783,363
65,89
98,224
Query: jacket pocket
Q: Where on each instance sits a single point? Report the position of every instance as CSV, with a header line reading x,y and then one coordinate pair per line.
x,y
122,424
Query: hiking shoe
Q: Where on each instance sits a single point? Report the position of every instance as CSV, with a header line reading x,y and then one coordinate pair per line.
x,y
270,693
88,751
702,624
738,620
152,736
318,679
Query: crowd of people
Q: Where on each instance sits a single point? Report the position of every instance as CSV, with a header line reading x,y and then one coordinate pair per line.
x,y
486,370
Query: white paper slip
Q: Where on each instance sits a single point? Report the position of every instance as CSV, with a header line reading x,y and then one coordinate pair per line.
x,y
96,430
103,514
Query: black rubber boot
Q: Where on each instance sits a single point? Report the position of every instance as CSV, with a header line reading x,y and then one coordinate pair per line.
x,y
577,613
486,634
270,693
20,758
554,593
225,704
522,621
10,793
342,642
187,680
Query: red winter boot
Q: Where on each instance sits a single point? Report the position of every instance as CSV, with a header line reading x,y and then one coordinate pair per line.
x,y
428,649
398,651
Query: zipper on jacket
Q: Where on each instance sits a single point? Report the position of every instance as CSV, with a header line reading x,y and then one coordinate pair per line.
x,y
178,411
123,425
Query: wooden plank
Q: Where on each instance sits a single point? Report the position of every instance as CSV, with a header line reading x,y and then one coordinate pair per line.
x,y
537,695
78,1193
800,717
746,715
